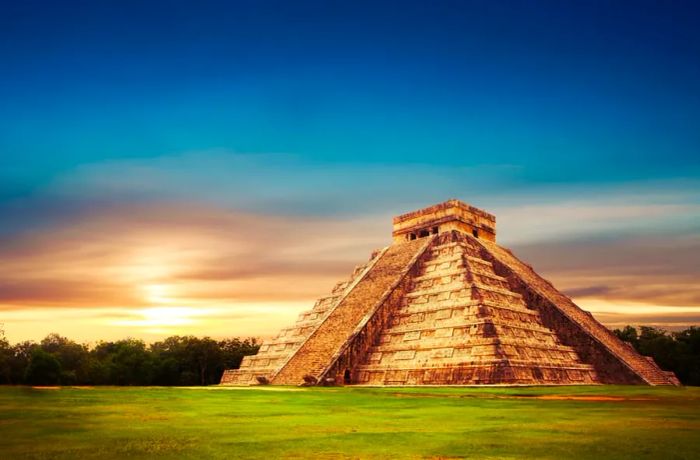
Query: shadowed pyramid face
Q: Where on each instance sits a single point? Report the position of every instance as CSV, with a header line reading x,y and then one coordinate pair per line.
x,y
445,304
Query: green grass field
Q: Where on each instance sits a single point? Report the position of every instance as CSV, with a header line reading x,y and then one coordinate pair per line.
x,y
179,423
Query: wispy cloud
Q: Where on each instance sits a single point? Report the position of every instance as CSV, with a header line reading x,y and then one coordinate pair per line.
x,y
122,250
654,269
247,237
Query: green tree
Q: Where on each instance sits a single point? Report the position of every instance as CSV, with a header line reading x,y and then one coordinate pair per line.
x,y
176,360
173,362
72,356
188,360
688,361
128,362
98,371
43,369
5,358
678,351
660,345
19,362
207,356
628,334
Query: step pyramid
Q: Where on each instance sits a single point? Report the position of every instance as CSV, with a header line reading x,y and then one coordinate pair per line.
x,y
445,305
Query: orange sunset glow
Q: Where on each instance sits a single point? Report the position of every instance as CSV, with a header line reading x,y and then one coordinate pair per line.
x,y
154,268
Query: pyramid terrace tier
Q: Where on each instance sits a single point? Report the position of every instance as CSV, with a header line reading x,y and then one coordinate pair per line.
x,y
456,349
467,306
494,372
469,326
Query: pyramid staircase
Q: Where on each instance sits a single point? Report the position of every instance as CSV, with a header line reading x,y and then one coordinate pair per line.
x,y
461,324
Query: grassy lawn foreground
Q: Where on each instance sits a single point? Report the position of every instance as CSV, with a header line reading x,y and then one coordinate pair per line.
x,y
179,423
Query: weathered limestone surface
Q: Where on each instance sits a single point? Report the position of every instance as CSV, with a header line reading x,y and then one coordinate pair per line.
x,y
316,352
444,304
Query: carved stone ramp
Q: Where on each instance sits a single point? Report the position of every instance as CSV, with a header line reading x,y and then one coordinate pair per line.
x,y
325,342
591,339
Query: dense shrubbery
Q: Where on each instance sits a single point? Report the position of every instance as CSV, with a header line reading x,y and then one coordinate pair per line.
x,y
673,351
173,361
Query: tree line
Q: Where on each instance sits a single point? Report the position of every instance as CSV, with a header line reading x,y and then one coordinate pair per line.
x,y
189,360
177,360
673,351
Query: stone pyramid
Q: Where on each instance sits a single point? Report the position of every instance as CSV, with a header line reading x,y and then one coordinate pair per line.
x,y
445,305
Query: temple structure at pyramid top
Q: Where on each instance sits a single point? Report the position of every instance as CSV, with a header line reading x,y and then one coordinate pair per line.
x,y
444,217
445,305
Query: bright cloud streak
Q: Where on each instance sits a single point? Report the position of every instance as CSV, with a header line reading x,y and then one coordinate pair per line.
x,y
142,265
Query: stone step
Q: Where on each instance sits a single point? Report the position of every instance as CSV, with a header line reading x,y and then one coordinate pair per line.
x,y
502,291
463,322
456,286
449,304
467,342
444,365
520,308
411,308
443,259
418,302
487,274
440,274
480,261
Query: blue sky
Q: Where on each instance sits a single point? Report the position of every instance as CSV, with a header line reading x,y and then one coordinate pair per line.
x,y
575,91
586,113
